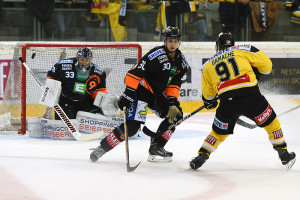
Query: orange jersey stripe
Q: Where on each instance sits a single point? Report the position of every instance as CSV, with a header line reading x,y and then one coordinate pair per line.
x,y
50,77
173,90
132,81
94,94
146,85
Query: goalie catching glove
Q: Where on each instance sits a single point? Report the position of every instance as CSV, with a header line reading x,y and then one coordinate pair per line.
x,y
175,112
107,103
127,98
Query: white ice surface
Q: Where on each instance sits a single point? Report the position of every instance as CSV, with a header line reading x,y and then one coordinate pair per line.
x,y
244,167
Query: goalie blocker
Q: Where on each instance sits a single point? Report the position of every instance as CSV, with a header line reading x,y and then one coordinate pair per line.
x,y
51,93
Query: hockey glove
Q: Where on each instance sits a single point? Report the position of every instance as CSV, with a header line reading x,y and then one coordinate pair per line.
x,y
173,101
210,104
126,99
175,111
173,114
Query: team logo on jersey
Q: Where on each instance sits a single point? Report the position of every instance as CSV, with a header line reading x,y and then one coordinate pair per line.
x,y
220,124
163,58
142,65
156,53
264,116
66,67
79,87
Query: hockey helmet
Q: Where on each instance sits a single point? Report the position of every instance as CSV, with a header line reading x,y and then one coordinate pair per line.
x,y
224,40
172,32
84,57
84,53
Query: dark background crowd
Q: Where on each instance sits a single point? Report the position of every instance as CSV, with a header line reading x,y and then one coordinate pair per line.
x,y
143,20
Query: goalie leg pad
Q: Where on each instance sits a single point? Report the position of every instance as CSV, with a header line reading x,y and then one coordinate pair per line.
x,y
51,93
108,103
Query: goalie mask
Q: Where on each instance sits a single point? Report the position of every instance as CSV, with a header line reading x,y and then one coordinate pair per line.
x,y
224,41
84,58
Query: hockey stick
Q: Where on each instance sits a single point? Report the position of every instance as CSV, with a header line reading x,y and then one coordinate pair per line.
x,y
76,134
129,169
150,133
252,126
245,124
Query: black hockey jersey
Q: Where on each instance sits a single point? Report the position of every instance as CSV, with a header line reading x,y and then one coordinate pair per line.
x,y
74,89
158,73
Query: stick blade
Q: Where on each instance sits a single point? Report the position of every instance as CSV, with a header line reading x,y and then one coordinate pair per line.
x,y
131,169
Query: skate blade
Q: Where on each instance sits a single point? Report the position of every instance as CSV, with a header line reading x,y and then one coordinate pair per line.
x,y
290,164
153,158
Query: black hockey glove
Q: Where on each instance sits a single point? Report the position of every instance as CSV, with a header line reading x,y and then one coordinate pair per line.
x,y
256,72
210,104
126,99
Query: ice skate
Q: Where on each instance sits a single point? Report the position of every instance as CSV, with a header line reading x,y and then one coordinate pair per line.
x,y
155,150
199,160
287,159
97,153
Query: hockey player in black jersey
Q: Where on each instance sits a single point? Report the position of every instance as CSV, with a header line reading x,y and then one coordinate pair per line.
x,y
81,80
231,74
155,83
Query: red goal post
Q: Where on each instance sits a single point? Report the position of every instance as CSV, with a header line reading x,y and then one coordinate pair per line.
x,y
22,93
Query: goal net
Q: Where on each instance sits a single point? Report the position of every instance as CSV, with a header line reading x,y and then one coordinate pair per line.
x,y
22,93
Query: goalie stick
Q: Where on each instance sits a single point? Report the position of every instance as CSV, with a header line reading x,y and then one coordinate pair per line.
x,y
150,133
77,135
252,126
129,168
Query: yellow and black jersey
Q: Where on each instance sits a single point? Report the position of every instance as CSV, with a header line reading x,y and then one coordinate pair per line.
x,y
230,70
158,72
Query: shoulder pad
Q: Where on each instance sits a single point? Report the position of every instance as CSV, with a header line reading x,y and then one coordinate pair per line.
x,y
202,68
98,69
185,64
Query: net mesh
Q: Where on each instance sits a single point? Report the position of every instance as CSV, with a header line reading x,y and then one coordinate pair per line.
x,y
116,60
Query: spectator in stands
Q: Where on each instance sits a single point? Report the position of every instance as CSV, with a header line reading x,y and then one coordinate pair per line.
x,y
146,18
170,11
64,17
233,15
104,8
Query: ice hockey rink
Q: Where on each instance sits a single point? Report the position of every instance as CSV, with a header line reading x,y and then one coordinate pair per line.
x,y
244,167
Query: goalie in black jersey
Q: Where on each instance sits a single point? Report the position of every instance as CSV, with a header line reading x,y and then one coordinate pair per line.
x,y
231,76
155,83
81,80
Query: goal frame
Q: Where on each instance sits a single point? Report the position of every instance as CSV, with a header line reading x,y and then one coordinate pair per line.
x,y
78,45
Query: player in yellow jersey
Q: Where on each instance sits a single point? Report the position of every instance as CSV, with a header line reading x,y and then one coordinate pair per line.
x,y
231,76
